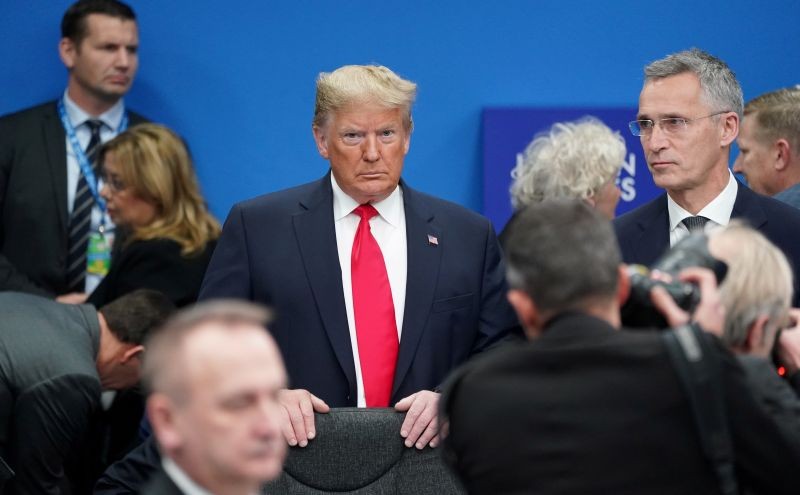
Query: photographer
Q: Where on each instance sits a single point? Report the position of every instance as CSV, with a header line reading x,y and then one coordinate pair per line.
x,y
756,294
583,407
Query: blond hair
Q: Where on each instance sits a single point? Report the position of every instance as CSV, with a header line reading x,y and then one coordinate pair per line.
x,y
357,84
155,164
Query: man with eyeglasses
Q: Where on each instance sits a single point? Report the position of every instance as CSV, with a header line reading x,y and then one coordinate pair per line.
x,y
689,113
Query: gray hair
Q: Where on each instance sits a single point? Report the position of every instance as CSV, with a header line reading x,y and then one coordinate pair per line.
x,y
759,280
563,254
571,159
354,84
720,89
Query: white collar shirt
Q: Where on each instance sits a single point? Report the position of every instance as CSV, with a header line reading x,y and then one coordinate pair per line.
x,y
111,119
718,211
389,230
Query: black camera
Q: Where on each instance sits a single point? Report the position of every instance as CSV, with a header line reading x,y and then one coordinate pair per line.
x,y
691,251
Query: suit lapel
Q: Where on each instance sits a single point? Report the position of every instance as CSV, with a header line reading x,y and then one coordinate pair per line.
x,y
746,206
653,237
55,152
316,237
423,272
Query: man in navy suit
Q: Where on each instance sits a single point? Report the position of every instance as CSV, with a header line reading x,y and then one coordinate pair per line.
x,y
294,250
689,113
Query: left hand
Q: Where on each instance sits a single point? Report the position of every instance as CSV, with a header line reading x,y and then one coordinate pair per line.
x,y
421,425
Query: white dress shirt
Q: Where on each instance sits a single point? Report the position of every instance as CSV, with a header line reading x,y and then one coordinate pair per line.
x,y
111,120
389,230
718,211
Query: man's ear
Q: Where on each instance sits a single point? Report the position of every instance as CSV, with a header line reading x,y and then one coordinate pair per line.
x,y
320,137
526,311
730,128
783,154
66,51
131,353
623,285
755,342
161,413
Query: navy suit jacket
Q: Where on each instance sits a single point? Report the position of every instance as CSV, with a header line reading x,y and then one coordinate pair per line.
x,y
280,250
643,233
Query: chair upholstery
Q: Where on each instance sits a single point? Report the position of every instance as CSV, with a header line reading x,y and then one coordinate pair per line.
x,y
360,452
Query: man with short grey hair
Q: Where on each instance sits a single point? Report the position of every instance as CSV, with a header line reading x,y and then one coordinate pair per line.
x,y
213,373
689,112
769,145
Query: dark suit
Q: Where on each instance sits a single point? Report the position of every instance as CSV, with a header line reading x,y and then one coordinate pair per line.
x,y
49,388
161,484
588,409
643,233
280,250
154,264
33,201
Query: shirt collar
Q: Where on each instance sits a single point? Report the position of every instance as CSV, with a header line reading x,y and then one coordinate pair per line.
x,y
111,118
389,209
181,479
718,210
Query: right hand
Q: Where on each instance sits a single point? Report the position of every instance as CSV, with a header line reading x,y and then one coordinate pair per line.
x,y
299,407
709,313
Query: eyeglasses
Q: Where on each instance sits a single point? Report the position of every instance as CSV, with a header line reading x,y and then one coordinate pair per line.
x,y
114,182
670,125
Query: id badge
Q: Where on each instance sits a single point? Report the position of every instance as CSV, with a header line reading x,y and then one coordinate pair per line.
x,y
98,256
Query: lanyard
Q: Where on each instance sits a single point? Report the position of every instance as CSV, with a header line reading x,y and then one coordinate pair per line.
x,y
80,155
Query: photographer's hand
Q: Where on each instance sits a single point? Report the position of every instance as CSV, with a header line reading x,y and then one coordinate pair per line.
x,y
789,344
709,314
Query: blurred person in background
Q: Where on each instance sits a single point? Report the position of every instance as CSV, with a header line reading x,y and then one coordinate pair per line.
x,y
769,145
153,195
579,159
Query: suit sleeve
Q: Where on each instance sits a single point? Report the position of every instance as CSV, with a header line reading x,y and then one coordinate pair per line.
x,y
129,475
10,277
228,273
497,320
50,420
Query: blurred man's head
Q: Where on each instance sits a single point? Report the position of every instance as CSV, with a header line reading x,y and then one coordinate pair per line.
x,y
769,142
362,126
125,324
689,112
757,290
562,255
99,46
214,373
579,159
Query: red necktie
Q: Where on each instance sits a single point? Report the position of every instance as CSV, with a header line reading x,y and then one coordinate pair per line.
x,y
376,330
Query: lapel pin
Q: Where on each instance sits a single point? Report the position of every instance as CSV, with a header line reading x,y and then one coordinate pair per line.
x,y
433,240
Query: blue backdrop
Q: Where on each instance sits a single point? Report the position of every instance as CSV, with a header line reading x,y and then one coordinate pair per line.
x,y
237,79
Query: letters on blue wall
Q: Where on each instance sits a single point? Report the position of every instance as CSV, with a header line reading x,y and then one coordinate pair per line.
x,y
507,132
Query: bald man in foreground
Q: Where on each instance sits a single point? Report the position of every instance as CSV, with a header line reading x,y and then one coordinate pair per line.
x,y
214,374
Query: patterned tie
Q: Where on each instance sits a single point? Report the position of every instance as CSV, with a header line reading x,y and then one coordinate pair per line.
x,y
376,329
81,217
695,224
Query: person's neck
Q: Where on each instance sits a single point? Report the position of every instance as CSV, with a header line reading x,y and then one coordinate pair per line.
x,y
218,485
602,309
89,103
695,199
108,348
